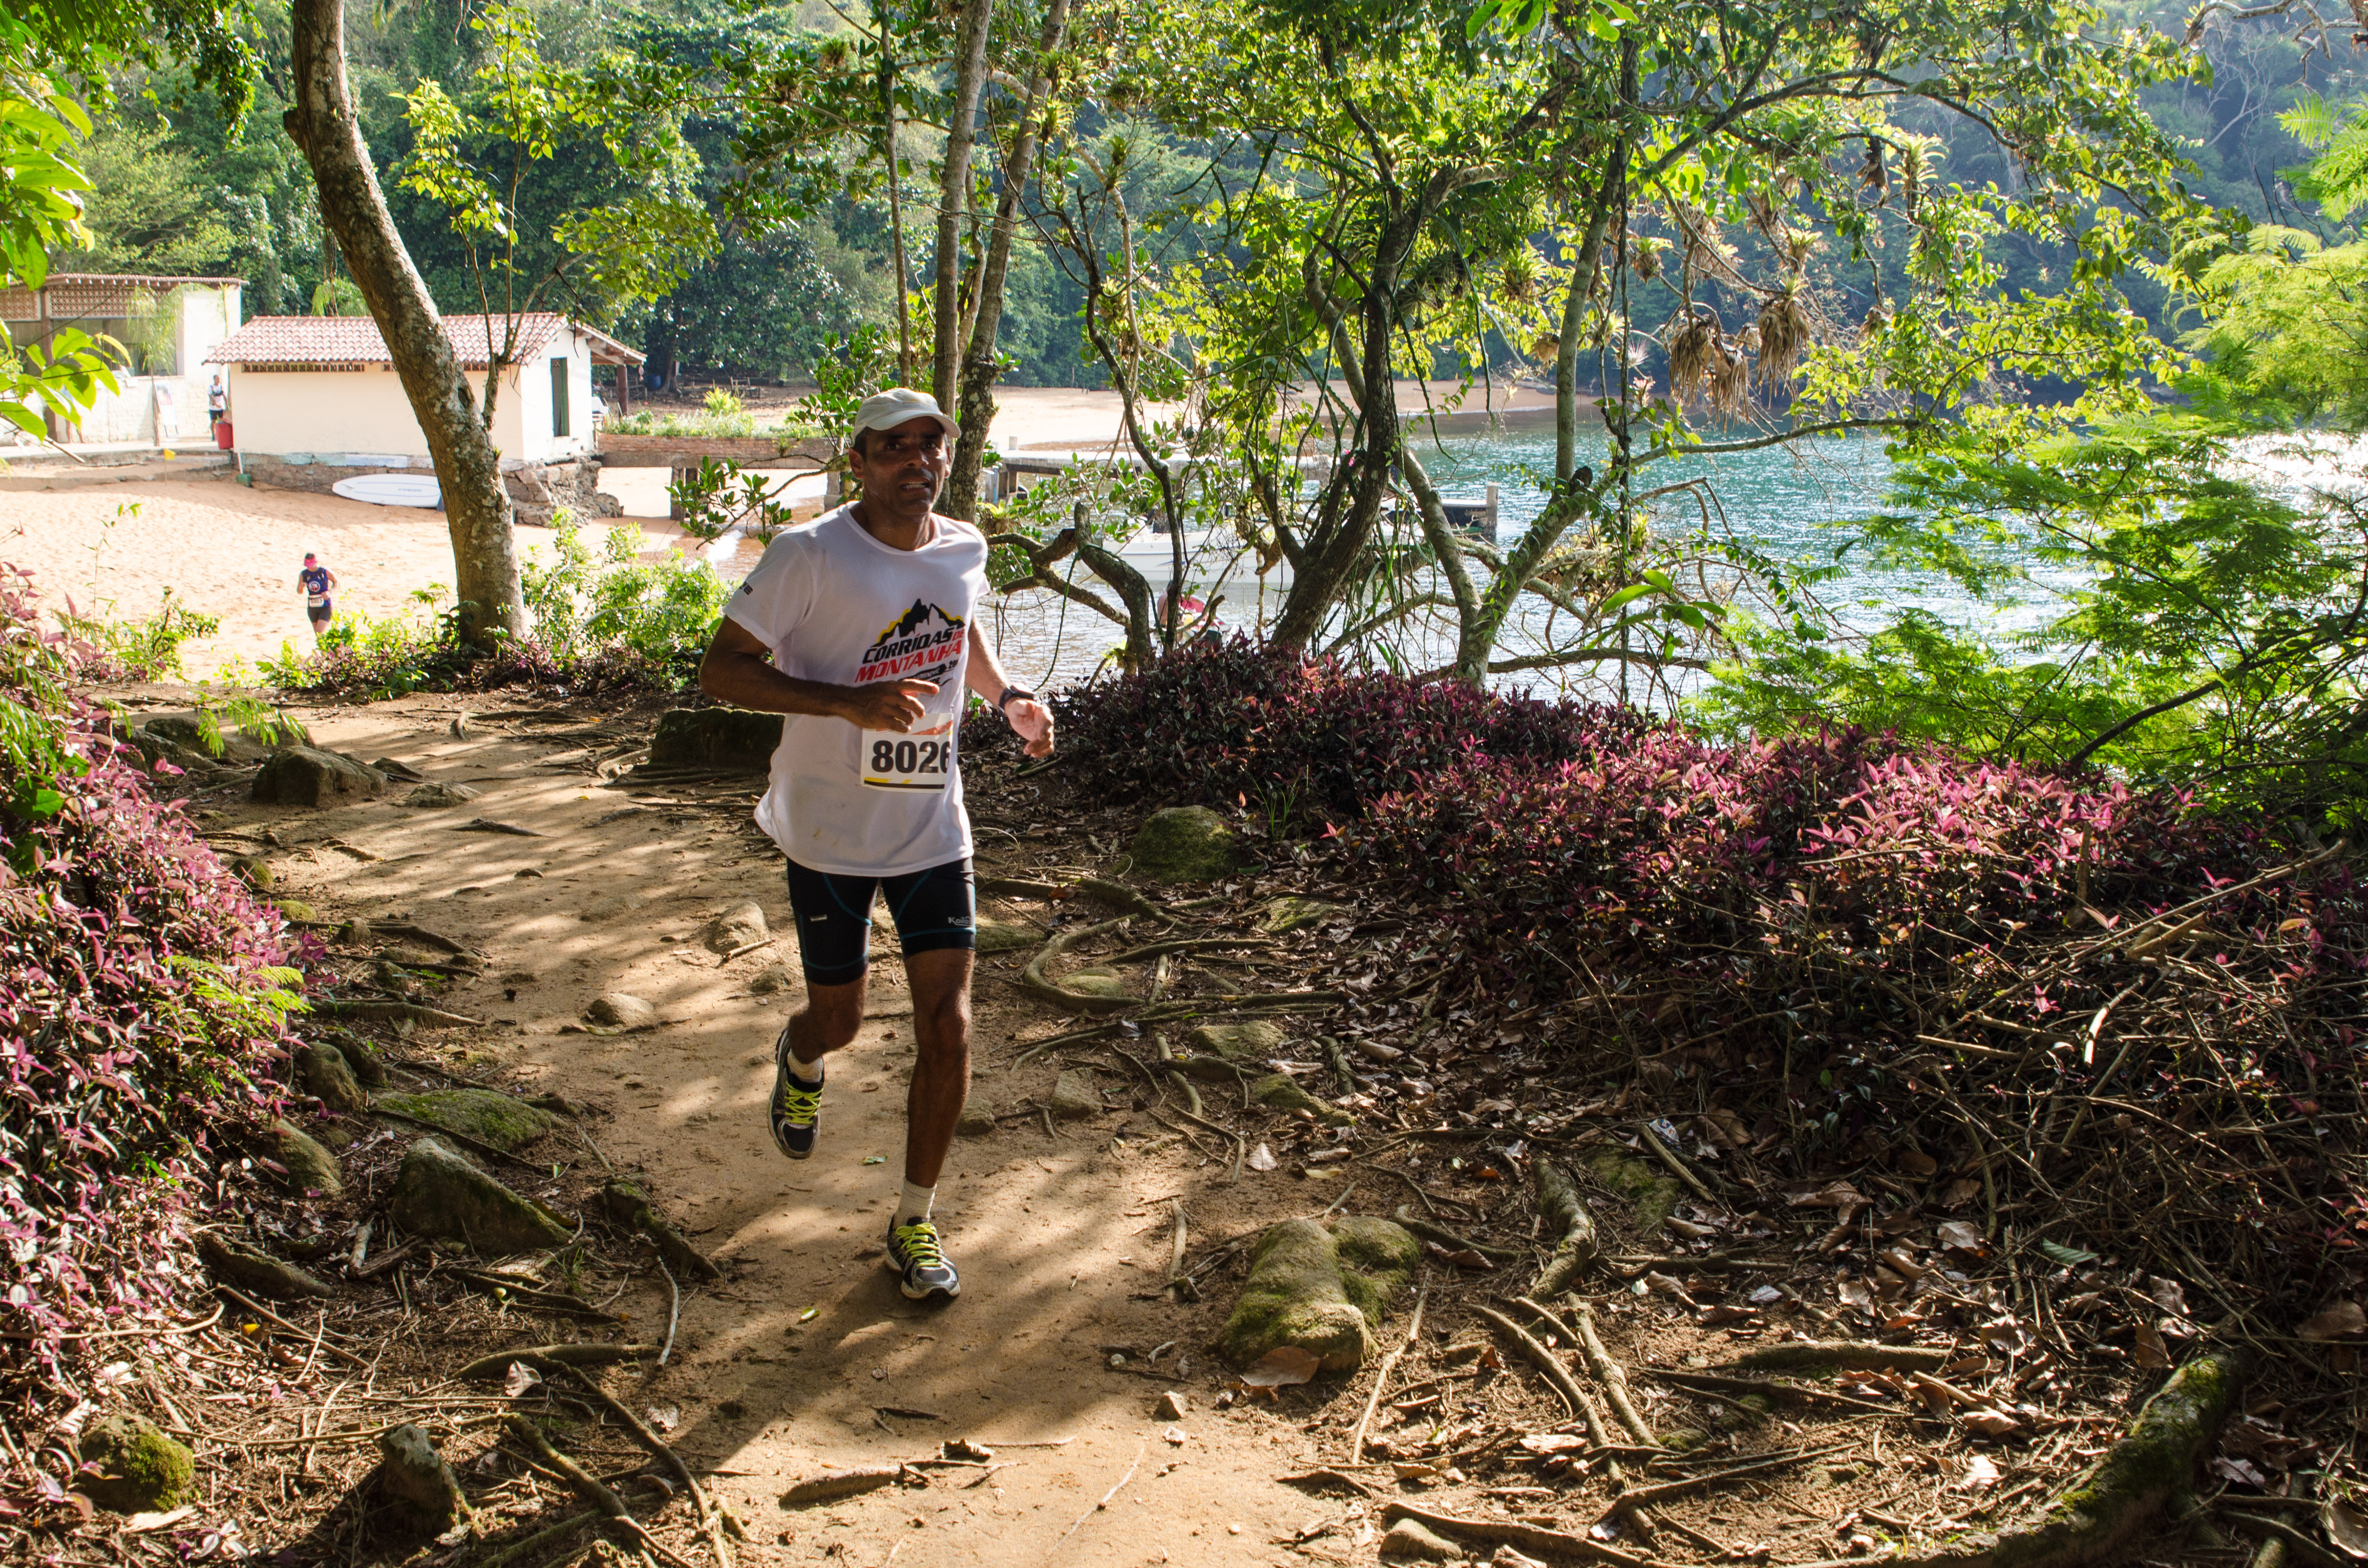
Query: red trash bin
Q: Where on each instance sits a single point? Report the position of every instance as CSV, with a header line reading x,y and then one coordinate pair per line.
x,y
221,434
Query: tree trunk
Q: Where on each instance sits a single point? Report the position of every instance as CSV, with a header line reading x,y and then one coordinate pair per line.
x,y
896,226
954,192
477,505
977,389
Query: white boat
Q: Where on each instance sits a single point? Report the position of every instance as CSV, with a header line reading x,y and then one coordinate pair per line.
x,y
391,489
1214,563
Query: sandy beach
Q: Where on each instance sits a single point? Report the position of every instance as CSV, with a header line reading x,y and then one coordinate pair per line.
x,y
233,552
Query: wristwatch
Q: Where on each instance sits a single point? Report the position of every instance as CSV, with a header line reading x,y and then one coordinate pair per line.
x,y
1009,692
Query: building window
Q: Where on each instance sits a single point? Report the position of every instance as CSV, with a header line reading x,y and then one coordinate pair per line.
x,y
559,397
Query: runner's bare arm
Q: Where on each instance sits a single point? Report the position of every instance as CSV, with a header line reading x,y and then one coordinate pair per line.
x,y
1029,720
738,669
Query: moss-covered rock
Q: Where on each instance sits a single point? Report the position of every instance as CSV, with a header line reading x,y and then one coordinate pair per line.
x,y
419,1486
439,1193
508,1124
1097,981
438,797
1254,1040
256,1273
1186,844
1649,1192
324,1071
255,871
311,1168
1279,1091
1292,913
140,1470
715,737
1323,1291
296,911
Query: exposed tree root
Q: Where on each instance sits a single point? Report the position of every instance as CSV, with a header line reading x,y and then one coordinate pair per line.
x,y
1035,980
1836,1355
2093,1519
1576,1246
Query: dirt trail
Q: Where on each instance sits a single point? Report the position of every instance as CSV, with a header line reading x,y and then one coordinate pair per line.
x,y
1055,1235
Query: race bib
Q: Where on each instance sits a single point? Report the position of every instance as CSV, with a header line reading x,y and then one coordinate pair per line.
x,y
317,599
920,758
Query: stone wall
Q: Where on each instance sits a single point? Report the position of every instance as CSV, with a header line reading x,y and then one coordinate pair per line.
x,y
685,451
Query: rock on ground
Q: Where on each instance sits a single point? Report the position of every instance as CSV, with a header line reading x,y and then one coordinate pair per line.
x,y
740,927
1254,1040
1322,1290
1410,1541
309,1167
301,776
1649,1192
489,1118
1074,1097
1280,1091
1186,844
772,980
434,797
715,737
621,1010
977,1119
254,1272
140,1469
415,1478
439,1193
1293,913
327,1077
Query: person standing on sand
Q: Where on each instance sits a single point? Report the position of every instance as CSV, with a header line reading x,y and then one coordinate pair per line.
x,y
860,627
317,583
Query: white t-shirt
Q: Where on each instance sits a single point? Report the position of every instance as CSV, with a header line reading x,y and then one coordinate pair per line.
x,y
836,604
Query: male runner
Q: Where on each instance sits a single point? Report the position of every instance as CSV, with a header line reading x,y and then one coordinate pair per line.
x,y
861,627
317,583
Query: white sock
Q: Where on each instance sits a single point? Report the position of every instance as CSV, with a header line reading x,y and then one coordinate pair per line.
x,y
805,1072
914,1202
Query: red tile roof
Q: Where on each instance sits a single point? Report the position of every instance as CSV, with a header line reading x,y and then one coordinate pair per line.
x,y
356,340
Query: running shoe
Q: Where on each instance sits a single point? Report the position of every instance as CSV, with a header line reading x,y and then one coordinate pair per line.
x,y
797,1105
914,1254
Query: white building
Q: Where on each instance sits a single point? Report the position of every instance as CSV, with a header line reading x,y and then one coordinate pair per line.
x,y
323,388
166,328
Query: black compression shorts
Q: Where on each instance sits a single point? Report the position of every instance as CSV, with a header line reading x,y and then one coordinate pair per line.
x,y
933,909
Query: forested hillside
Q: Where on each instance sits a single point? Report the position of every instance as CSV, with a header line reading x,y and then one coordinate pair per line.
x,y
181,190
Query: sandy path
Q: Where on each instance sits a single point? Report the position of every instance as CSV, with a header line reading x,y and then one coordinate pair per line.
x,y
1056,1234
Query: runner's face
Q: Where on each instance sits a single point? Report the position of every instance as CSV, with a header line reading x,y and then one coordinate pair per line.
x,y
902,469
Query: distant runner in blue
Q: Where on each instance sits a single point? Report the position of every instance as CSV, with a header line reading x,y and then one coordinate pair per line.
x,y
317,583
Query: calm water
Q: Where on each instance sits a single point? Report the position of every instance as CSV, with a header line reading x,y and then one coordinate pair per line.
x,y
1799,507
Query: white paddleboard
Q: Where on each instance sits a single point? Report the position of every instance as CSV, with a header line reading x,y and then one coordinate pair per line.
x,y
391,489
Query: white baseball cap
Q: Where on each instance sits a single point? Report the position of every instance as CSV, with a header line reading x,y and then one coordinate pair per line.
x,y
899,406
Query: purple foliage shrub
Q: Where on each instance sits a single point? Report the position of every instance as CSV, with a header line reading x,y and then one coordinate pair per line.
x,y
141,1006
1238,725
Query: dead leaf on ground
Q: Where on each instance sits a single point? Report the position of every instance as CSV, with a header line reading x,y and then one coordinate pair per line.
x,y
2239,1470
2167,1294
1285,1365
1836,1194
1261,1158
1958,1236
2150,1350
1855,1295
1463,1257
1918,1164
1991,1422
1959,1192
666,1417
520,1379
2341,1321
1980,1475
1554,1442
2347,1527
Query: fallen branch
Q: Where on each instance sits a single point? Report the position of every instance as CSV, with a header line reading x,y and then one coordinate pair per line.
x,y
1557,1374
1837,1355
1684,1485
1407,1219
394,1012
1775,1390
497,1365
1097,1507
520,1293
529,1545
710,1518
1382,1381
585,1486
1607,1371
1520,1537
630,1205
834,1484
